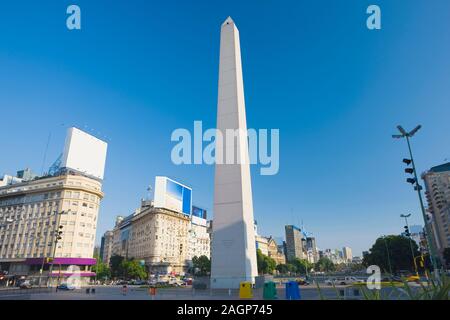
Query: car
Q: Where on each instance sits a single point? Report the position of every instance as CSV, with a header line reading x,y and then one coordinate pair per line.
x,y
302,282
412,278
341,281
25,285
176,282
66,286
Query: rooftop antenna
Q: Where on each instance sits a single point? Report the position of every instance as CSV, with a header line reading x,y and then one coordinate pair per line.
x,y
149,190
45,152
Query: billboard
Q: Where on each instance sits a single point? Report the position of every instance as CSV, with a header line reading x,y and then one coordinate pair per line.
x,y
172,195
84,153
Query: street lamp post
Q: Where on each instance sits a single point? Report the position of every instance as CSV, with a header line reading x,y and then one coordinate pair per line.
x,y
418,187
406,216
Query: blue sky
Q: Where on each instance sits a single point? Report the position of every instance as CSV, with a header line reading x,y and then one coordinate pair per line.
x,y
140,69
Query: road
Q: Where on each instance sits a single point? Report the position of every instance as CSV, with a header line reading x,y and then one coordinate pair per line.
x,y
138,293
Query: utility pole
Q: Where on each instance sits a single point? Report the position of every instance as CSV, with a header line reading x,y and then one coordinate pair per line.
x,y
418,188
388,256
408,234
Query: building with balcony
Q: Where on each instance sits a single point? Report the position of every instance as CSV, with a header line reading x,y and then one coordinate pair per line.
x,y
33,212
437,191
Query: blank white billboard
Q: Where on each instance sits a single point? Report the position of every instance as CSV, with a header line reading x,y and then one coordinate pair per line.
x,y
172,195
85,153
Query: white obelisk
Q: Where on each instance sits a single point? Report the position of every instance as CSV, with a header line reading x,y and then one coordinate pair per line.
x,y
233,241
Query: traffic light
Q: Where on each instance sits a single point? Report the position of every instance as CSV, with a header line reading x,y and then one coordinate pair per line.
x,y
407,161
411,180
409,170
407,231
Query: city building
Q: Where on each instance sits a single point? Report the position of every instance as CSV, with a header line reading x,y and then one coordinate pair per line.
x,y
37,210
417,234
234,249
437,186
275,251
295,244
106,246
357,260
347,254
165,233
262,244
311,249
199,236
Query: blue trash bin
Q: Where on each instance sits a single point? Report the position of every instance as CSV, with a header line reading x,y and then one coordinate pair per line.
x,y
292,291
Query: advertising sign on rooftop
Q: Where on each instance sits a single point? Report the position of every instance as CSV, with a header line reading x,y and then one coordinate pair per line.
x,y
172,195
84,153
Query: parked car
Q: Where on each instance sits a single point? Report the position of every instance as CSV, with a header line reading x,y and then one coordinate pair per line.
x,y
25,285
175,282
342,281
66,286
302,282
412,278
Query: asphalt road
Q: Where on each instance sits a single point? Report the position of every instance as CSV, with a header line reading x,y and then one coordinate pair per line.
x,y
137,293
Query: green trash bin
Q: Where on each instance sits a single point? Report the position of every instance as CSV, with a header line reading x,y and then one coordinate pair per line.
x,y
270,291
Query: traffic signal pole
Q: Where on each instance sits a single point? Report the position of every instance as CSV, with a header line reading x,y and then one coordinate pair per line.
x,y
422,207
411,246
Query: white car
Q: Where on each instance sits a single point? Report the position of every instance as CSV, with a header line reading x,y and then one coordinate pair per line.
x,y
176,282
341,281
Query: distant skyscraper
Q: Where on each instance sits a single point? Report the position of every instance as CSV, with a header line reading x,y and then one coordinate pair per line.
x,y
294,243
234,248
106,246
347,254
312,249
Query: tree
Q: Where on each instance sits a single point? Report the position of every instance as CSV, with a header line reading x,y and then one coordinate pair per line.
x,y
301,265
285,268
101,269
392,252
203,264
325,265
266,265
116,266
132,269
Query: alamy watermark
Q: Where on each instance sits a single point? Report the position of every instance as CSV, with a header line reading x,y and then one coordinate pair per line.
x,y
227,147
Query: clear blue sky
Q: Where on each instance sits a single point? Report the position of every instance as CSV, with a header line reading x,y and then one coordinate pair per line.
x,y
139,69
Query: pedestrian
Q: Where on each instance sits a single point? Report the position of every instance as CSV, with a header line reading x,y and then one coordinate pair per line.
x,y
124,290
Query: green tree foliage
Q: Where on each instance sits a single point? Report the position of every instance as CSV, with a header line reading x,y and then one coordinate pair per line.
x,y
101,269
266,265
202,264
127,268
116,266
132,269
285,268
397,248
325,265
302,266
